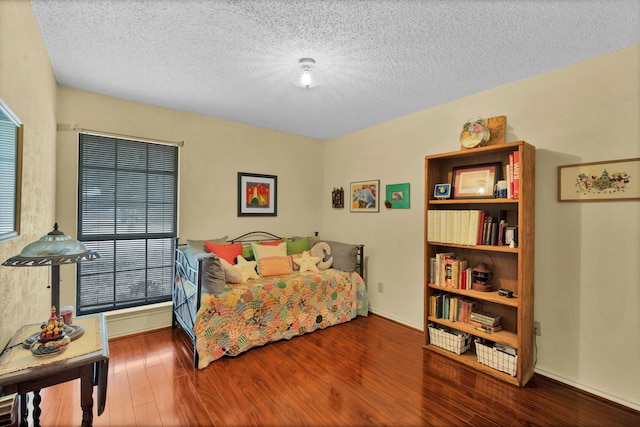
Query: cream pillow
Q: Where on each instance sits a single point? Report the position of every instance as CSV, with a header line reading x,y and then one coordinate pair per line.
x,y
231,274
264,251
307,263
246,268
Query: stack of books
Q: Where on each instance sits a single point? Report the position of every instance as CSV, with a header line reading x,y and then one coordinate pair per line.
x,y
485,321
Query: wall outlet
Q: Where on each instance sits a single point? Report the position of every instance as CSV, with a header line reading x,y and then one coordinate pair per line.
x,y
536,329
380,287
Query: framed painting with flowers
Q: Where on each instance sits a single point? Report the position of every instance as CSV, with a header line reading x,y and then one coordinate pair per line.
x,y
597,181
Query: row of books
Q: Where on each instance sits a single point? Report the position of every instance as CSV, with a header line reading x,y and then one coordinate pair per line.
x,y
459,309
467,227
513,175
450,271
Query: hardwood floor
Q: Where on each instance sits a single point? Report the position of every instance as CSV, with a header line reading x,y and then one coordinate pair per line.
x,y
370,371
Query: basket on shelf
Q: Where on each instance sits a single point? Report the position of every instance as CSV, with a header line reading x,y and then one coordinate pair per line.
x,y
496,359
455,342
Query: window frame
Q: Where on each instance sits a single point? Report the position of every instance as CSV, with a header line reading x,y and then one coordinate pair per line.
x,y
110,263
14,151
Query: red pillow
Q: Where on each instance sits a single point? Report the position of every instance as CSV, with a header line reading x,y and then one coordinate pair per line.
x,y
274,243
227,251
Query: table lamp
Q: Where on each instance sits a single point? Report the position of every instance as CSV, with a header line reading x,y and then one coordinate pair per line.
x,y
53,249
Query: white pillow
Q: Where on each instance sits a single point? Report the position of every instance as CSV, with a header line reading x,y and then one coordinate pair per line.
x,y
263,251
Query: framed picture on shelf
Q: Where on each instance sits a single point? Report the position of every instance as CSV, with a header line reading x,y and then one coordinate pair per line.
x,y
476,181
257,194
398,195
598,181
442,191
364,196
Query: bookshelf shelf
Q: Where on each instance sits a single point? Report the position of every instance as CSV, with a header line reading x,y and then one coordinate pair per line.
x,y
512,268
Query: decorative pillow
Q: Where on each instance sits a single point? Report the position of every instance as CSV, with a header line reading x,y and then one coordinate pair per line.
x,y
212,275
247,269
262,251
271,242
247,252
274,266
307,263
231,274
297,246
292,261
227,251
200,244
322,250
345,256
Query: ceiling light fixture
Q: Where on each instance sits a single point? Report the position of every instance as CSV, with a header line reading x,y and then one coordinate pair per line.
x,y
306,77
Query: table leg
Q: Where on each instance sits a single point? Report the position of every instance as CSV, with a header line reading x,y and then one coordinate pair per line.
x,y
86,395
24,410
36,408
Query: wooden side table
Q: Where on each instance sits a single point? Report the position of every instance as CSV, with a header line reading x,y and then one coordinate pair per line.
x,y
87,358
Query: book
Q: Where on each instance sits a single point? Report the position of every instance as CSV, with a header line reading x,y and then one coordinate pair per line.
x,y
457,227
450,227
466,307
436,225
472,236
485,317
485,328
501,227
430,214
480,228
440,267
464,232
510,177
516,174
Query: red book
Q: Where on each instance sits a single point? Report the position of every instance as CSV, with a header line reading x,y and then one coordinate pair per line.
x,y
480,228
516,174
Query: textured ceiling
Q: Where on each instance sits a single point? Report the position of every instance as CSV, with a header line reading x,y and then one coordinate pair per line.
x,y
375,60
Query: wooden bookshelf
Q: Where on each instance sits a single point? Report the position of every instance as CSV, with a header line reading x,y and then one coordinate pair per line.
x,y
512,268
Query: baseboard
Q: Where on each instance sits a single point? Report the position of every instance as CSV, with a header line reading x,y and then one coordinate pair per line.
x,y
587,389
140,319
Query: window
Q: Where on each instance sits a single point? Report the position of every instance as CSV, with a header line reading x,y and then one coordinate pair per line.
x,y
127,208
10,172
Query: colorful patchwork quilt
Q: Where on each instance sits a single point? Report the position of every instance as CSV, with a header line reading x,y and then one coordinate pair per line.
x,y
256,312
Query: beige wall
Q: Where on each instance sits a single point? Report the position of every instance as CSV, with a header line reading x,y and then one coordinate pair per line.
x,y
587,269
214,152
28,87
587,272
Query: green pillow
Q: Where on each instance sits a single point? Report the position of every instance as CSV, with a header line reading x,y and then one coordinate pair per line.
x,y
247,252
297,246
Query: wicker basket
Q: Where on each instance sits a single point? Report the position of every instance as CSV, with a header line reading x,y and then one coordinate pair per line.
x,y
495,359
456,343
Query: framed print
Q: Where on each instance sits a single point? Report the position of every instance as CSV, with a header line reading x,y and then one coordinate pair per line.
x,y
257,194
442,191
475,181
597,181
398,195
364,196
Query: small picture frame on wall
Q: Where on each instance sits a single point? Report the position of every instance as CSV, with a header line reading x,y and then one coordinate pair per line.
x,y
364,196
257,194
476,181
398,195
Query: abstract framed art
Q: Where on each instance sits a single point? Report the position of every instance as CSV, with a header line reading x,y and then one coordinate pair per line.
x,y
364,196
257,194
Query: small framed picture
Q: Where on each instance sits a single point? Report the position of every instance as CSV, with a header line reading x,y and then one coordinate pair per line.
x,y
257,194
398,195
442,191
475,181
364,196
510,234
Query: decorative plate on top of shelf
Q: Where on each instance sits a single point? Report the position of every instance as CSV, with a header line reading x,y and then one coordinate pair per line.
x,y
474,134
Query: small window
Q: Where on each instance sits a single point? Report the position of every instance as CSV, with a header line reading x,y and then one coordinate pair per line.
x,y
10,172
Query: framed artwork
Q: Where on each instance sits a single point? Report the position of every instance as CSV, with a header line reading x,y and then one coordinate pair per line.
x,y
598,181
11,133
364,196
257,194
398,195
442,191
475,181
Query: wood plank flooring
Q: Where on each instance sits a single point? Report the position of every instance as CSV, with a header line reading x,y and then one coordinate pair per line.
x,y
370,371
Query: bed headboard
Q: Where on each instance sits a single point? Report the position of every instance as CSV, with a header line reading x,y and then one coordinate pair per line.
x,y
256,236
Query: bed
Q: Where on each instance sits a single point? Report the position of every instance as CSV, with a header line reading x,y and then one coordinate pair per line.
x,y
225,309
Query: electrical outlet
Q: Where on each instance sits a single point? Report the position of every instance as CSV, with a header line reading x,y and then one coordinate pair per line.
x,y
380,287
536,329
